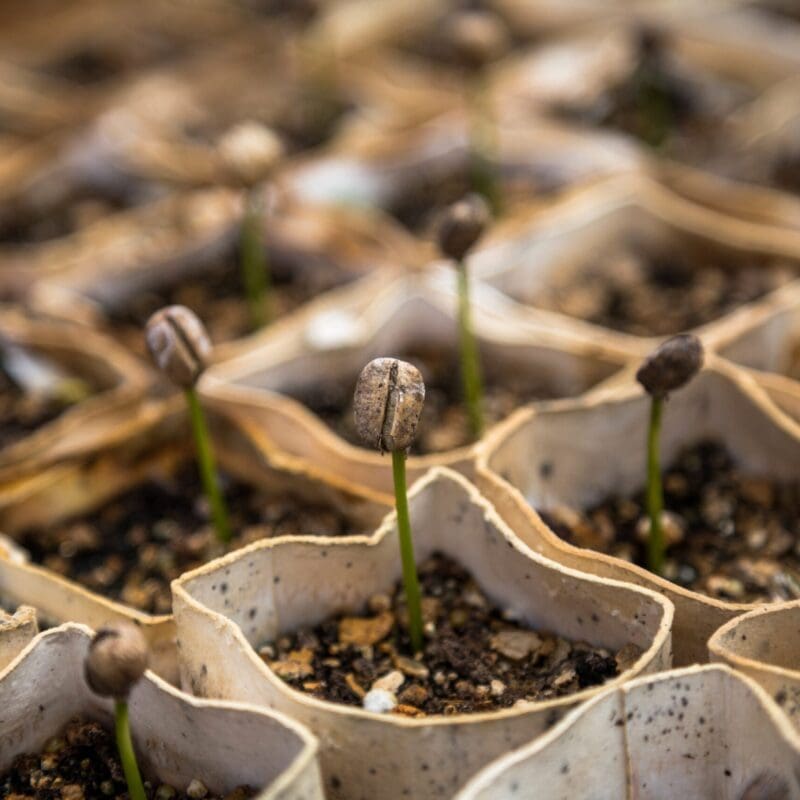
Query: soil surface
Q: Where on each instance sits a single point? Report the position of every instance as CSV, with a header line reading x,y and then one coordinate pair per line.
x,y
81,763
21,413
476,658
656,294
736,536
444,424
134,546
218,298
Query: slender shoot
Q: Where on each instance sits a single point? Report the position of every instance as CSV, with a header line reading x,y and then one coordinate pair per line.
x,y
207,466
656,547
410,579
256,274
471,377
126,752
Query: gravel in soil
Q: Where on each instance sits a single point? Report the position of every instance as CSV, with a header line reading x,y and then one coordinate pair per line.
x,y
81,763
218,298
733,536
476,657
134,546
444,424
22,413
660,294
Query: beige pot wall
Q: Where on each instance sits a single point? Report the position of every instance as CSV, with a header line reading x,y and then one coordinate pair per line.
x,y
117,378
177,737
156,444
16,631
697,732
565,238
336,337
574,439
226,609
762,644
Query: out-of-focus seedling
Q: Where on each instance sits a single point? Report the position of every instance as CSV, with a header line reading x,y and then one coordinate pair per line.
x,y
250,151
669,367
180,348
478,38
116,661
388,403
460,228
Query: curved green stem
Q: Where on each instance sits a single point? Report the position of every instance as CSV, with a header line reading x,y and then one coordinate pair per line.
x,y
126,752
208,470
410,580
255,266
655,494
470,362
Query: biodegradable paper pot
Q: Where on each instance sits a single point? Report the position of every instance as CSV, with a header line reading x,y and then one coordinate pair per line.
x,y
16,630
177,738
566,238
697,732
158,447
226,609
115,376
334,338
575,453
763,645
768,342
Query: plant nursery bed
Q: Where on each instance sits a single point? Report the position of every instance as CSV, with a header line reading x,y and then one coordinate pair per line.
x,y
444,424
736,537
218,297
24,412
660,294
136,544
476,658
81,763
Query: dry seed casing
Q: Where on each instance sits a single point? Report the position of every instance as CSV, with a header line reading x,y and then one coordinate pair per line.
x,y
178,344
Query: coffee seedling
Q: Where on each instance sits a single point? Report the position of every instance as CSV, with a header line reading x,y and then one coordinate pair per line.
x,y
388,403
478,38
461,227
116,661
669,367
180,348
250,151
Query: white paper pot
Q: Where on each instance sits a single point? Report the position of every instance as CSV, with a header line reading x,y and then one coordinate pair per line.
x,y
335,337
158,447
565,239
116,378
226,609
575,453
762,645
697,732
176,737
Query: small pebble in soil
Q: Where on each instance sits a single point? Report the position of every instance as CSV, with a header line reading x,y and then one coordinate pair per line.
x,y
731,535
482,663
81,763
135,545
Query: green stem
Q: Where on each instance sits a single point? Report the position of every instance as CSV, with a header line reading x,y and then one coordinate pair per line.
x,y
255,267
126,753
410,580
208,471
655,494
483,147
470,363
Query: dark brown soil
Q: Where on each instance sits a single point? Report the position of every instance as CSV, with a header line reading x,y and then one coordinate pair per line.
x,y
134,546
476,658
218,298
661,294
81,763
22,413
444,424
739,535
